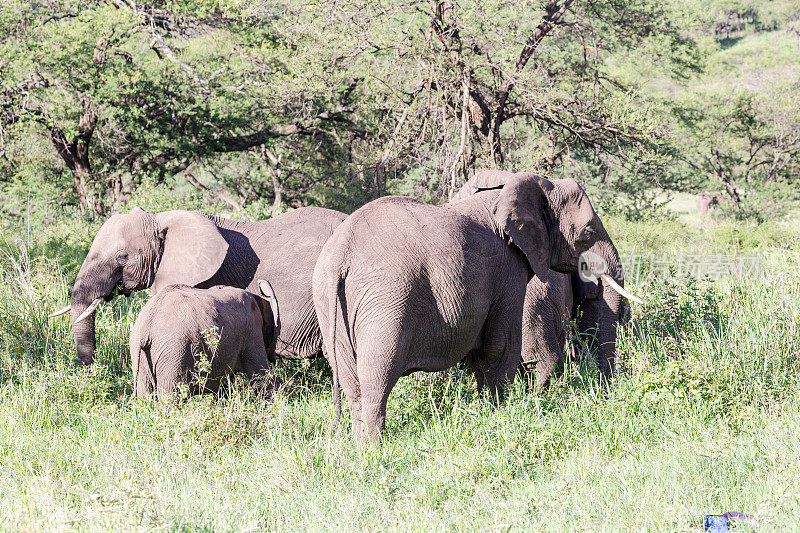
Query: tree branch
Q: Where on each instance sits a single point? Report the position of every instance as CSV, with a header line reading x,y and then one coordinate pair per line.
x,y
553,13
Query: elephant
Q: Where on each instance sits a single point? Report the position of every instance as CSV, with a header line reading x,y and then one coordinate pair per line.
x,y
403,286
707,201
227,328
137,250
597,307
549,309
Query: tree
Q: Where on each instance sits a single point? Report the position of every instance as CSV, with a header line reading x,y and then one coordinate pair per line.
x,y
128,90
460,85
745,140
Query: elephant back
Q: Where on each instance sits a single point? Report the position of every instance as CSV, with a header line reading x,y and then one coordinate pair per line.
x,y
488,179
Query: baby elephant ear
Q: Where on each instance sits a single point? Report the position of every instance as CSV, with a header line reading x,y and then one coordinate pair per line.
x,y
269,294
194,249
520,211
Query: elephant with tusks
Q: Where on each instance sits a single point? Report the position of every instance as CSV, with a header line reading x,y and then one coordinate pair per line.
x,y
403,286
597,304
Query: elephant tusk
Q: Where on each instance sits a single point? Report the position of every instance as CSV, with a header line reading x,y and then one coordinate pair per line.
x,y
89,310
617,287
60,312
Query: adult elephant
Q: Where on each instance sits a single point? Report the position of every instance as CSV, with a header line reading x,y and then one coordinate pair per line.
x,y
403,286
598,306
138,250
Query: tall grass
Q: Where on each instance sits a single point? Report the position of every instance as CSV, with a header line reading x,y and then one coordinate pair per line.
x,y
703,420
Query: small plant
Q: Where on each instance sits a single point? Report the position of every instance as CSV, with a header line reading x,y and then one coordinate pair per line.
x,y
685,306
204,358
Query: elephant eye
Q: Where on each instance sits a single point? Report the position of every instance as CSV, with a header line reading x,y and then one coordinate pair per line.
x,y
586,234
122,257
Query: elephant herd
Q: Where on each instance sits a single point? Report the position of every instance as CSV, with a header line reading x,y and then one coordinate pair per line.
x,y
490,278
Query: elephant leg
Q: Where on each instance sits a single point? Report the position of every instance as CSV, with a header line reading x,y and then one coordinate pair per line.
x,y
473,359
375,393
356,418
253,362
345,369
501,373
500,355
543,338
173,368
348,381
499,361
550,347
379,366
167,384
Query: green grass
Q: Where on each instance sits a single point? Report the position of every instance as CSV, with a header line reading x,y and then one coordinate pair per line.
x,y
703,420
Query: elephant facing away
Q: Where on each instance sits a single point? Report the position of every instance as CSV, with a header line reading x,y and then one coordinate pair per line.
x,y
138,250
598,307
196,337
403,286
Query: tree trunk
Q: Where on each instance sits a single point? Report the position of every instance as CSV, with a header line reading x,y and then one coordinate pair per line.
x,y
457,163
88,198
275,171
277,188
75,154
380,179
122,190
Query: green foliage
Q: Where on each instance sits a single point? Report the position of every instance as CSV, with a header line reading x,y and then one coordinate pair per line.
x,y
262,106
684,308
149,90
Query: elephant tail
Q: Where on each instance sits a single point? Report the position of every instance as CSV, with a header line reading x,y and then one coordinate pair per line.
x,y
333,294
144,380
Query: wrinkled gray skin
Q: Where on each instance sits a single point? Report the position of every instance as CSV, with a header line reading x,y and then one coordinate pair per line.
x,y
181,323
545,319
550,305
138,250
403,286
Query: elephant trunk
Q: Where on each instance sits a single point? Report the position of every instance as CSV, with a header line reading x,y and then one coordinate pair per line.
x,y
610,306
608,321
85,340
90,286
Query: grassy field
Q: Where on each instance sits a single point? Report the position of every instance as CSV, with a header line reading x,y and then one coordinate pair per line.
x,y
704,419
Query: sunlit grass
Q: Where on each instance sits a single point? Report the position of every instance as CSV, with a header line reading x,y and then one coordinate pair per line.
x,y
703,420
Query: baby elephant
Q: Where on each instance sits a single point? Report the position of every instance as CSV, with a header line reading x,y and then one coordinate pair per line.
x,y
195,337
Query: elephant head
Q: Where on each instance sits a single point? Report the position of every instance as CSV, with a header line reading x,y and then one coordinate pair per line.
x,y
138,250
554,224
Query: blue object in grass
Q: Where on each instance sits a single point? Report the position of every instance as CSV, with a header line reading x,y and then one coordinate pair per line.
x,y
720,523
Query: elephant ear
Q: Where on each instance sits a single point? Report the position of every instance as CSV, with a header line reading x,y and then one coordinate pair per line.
x,y
194,249
521,212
